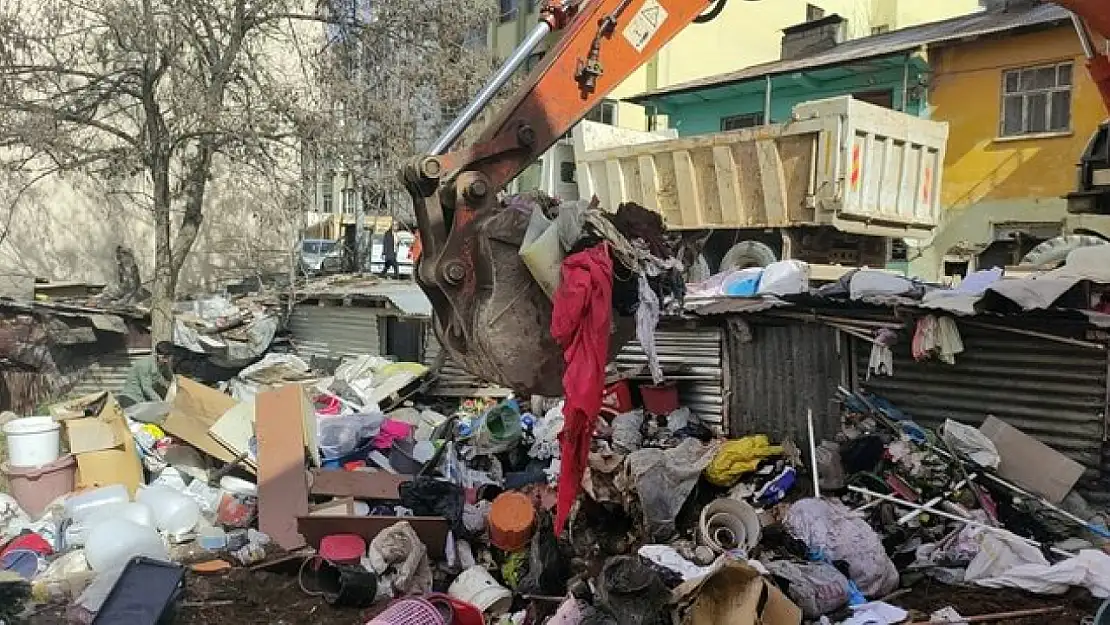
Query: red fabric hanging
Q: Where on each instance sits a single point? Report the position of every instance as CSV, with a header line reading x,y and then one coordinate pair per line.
x,y
580,323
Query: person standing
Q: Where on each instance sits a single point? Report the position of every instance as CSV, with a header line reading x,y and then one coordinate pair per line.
x,y
389,252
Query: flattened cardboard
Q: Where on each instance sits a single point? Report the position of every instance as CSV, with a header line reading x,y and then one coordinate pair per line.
x,y
118,465
282,482
196,408
234,430
1031,464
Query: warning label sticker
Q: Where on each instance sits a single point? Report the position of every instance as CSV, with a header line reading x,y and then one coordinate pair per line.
x,y
645,24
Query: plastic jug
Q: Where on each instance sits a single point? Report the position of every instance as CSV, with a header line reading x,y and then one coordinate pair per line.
x,y
174,512
113,542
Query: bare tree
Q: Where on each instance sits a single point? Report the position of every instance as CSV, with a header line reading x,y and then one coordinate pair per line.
x,y
158,98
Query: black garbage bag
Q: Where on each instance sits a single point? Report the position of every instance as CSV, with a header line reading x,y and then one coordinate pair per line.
x,y
430,497
632,593
548,568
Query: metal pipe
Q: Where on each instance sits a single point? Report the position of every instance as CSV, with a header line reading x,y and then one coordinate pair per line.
x,y
515,61
1084,37
767,103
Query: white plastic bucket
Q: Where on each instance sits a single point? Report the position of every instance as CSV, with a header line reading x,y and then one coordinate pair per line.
x,y
33,441
478,588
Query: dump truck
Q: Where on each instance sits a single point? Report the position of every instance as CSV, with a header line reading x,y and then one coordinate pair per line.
x,y
837,184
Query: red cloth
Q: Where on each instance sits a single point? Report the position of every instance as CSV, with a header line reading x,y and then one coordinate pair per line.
x,y
580,323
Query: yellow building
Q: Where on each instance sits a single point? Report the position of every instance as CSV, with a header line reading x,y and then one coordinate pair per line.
x,y
1021,109
744,34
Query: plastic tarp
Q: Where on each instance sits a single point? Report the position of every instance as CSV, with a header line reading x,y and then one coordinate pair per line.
x,y
1006,562
664,479
832,528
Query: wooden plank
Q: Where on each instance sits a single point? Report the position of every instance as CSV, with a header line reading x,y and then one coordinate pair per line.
x,y
773,180
431,530
686,181
282,487
728,184
649,183
357,484
615,179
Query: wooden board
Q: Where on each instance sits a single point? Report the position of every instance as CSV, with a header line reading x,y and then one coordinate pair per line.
x,y
431,530
282,487
357,484
196,408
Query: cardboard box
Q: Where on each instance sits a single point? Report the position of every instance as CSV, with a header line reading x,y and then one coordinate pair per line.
x,y
1030,463
734,593
118,464
196,408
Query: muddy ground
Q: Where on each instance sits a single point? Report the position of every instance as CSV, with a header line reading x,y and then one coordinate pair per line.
x,y
261,598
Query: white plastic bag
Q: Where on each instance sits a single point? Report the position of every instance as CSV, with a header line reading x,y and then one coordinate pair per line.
x,y
338,436
786,277
972,443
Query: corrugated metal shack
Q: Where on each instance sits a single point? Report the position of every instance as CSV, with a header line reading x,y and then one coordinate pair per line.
x,y
1043,371
52,350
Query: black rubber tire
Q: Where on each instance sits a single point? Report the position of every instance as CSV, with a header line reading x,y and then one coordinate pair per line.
x,y
1054,252
748,254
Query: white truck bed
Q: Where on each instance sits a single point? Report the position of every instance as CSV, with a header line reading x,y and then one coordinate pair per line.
x,y
839,162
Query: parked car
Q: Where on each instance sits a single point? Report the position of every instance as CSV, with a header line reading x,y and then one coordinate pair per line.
x,y
320,256
404,254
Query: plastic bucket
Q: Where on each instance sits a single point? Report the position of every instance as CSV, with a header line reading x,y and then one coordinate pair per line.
x,y
33,441
661,399
512,520
238,502
413,611
478,588
34,488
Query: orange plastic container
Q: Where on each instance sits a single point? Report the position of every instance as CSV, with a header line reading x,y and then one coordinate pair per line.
x,y
512,519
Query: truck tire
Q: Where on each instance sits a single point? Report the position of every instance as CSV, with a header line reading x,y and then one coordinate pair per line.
x,y
1054,252
747,254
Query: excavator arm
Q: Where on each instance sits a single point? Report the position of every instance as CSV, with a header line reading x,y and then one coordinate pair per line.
x,y
491,317
1092,194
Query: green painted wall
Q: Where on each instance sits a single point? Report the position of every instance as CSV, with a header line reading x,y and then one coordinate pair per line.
x,y
702,113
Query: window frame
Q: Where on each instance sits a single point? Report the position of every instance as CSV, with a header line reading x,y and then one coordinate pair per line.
x,y
597,113
327,193
509,9
1023,94
757,118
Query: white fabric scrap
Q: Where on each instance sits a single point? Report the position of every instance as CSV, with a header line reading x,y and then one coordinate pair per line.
x,y
647,318
876,613
881,362
670,559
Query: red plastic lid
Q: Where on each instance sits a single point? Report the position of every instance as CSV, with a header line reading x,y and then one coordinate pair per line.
x,y
343,548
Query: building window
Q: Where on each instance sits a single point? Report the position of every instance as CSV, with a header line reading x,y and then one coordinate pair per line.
x,y
884,98
349,201
878,30
747,120
508,10
327,201
567,173
604,113
1036,100
814,13
652,115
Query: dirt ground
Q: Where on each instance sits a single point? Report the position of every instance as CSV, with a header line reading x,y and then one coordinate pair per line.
x,y
245,598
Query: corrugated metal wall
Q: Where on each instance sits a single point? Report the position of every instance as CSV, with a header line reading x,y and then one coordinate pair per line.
x,y
1053,391
335,331
780,373
453,380
700,348
105,372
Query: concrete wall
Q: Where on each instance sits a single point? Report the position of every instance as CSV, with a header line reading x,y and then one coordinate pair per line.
x,y
68,228
990,180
